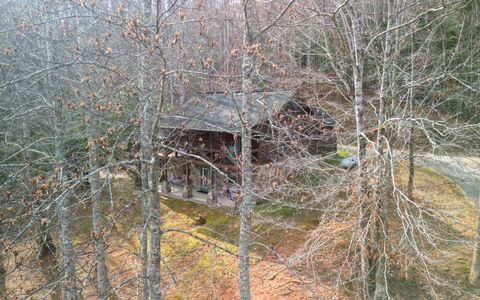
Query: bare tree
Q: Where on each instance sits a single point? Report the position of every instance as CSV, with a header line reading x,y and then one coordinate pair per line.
x,y
247,203
93,144
64,206
151,106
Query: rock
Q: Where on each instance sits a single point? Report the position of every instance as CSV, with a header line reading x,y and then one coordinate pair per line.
x,y
200,221
349,162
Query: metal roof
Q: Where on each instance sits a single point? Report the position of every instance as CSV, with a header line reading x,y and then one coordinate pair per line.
x,y
221,112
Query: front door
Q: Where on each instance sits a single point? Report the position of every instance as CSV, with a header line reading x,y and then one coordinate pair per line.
x,y
205,177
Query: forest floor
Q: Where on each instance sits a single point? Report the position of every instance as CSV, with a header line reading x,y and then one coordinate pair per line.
x,y
455,225
192,269
195,270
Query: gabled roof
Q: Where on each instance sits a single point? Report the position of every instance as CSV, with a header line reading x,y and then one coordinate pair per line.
x,y
221,112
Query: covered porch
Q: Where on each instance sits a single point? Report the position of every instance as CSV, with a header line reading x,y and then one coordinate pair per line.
x,y
194,180
177,192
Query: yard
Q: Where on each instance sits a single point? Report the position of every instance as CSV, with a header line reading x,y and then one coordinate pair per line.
x,y
199,246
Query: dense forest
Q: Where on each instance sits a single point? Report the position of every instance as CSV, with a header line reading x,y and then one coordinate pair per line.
x,y
239,149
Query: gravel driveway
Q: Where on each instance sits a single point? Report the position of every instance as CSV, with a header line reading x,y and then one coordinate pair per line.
x,y
464,171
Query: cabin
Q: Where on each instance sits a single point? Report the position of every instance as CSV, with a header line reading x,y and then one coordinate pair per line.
x,y
203,139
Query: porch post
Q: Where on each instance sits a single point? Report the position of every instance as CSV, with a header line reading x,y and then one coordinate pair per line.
x,y
187,190
238,166
165,184
212,191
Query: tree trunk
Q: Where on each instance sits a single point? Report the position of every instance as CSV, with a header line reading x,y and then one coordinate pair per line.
x,y
65,215
92,132
155,234
475,268
95,193
411,142
3,271
357,58
143,236
155,216
358,102
46,248
411,161
151,281
246,140
151,200
379,269
143,166
153,182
